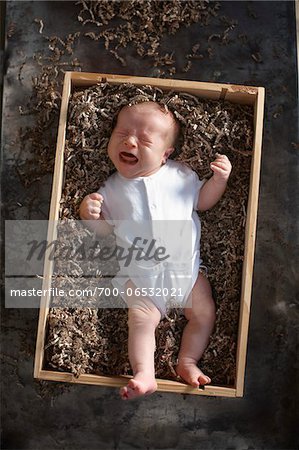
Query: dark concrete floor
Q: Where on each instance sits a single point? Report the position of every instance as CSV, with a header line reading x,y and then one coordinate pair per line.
x,y
57,416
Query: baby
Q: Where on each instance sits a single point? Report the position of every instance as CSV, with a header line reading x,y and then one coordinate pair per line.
x,y
147,186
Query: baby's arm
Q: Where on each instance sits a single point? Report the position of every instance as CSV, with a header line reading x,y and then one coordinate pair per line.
x,y
214,188
91,213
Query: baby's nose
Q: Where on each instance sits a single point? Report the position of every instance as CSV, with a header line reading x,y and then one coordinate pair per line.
x,y
130,142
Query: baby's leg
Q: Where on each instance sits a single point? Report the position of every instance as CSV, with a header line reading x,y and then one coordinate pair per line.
x,y
144,317
200,313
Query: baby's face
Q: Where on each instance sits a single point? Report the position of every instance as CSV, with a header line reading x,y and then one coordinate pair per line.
x,y
141,140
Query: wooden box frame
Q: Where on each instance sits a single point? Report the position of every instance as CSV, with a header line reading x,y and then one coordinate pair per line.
x,y
234,93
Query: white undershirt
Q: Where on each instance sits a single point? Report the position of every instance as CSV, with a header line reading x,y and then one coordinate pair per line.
x,y
133,206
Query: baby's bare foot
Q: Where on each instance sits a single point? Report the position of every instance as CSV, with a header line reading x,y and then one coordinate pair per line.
x,y
192,374
138,386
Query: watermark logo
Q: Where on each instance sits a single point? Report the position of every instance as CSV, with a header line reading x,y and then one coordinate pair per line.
x,y
140,250
67,262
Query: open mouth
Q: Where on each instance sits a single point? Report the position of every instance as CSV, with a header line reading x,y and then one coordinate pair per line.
x,y
128,158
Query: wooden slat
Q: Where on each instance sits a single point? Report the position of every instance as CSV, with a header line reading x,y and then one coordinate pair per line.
x,y
234,93
117,382
249,243
51,235
210,91
243,95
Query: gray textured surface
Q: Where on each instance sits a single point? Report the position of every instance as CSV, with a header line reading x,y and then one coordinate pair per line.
x,y
52,415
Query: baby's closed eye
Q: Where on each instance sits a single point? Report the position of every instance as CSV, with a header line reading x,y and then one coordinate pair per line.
x,y
146,142
145,139
121,132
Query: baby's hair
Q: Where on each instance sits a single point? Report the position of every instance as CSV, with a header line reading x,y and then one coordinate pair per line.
x,y
177,128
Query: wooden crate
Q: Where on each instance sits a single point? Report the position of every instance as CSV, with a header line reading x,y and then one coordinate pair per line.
x,y
247,95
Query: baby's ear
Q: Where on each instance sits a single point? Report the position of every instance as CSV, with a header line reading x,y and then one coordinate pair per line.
x,y
167,154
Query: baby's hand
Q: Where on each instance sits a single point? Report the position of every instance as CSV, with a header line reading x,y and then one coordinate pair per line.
x,y
90,208
221,168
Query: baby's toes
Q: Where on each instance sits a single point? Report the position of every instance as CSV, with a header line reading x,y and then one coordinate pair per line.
x,y
135,387
204,379
194,382
124,393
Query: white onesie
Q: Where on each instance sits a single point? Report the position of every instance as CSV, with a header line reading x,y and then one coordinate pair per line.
x,y
158,210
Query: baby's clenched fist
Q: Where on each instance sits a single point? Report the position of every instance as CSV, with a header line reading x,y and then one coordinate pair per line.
x,y
221,168
91,206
